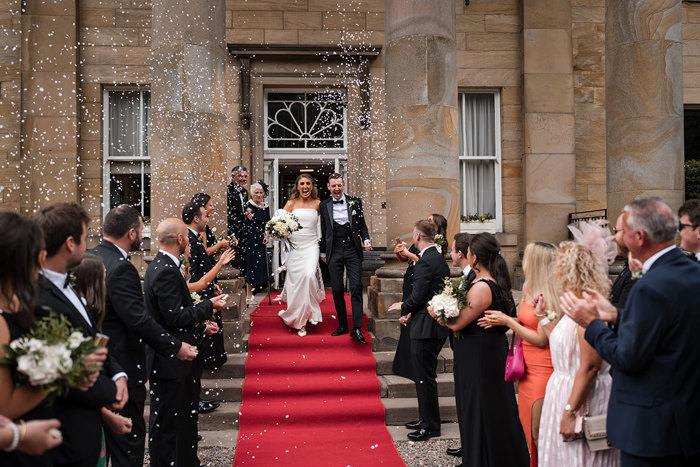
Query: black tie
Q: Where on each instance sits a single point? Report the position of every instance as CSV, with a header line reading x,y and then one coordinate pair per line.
x,y
67,282
340,201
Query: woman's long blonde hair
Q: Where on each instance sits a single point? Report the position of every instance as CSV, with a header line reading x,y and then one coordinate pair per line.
x,y
295,190
538,264
577,269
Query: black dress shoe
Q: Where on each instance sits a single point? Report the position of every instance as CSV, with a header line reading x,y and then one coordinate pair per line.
x,y
207,401
199,437
340,331
457,452
206,408
423,434
414,425
356,334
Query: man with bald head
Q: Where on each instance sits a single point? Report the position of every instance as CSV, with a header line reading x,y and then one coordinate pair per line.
x,y
173,422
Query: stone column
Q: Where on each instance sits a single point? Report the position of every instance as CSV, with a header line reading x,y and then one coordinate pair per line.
x,y
188,139
549,188
422,122
644,101
49,103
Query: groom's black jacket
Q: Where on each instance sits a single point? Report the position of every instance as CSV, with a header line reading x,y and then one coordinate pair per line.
x,y
428,274
357,224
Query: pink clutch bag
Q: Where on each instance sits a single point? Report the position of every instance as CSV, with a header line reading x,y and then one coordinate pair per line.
x,y
515,363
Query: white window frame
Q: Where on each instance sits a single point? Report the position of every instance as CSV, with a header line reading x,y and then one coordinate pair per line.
x,y
107,158
340,90
496,224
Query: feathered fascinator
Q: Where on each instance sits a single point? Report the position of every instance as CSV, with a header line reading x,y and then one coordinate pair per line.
x,y
595,236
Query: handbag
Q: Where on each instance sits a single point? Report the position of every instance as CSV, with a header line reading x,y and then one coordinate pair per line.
x,y
595,431
515,363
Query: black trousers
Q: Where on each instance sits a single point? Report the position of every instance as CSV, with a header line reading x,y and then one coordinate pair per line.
x,y
424,353
628,460
173,423
127,450
344,258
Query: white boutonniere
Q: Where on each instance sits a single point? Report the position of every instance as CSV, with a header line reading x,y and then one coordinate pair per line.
x,y
196,298
636,275
351,202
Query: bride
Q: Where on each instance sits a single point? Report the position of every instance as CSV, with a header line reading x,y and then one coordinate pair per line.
x,y
303,286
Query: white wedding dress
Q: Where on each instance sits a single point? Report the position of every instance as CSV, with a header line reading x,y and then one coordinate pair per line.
x,y
303,284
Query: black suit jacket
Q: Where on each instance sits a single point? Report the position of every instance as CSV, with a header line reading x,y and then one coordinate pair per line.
x,y
200,263
169,302
621,287
428,274
654,405
235,210
356,217
79,411
126,321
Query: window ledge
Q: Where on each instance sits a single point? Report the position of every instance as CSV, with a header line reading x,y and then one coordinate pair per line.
x,y
475,227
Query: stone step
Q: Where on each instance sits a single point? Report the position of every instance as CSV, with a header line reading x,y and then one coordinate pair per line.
x,y
223,418
393,386
233,368
227,438
386,358
222,389
405,409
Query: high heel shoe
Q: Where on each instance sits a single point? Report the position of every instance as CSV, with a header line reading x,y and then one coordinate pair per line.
x,y
302,332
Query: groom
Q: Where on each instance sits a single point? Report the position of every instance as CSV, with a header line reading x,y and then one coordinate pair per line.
x,y
344,231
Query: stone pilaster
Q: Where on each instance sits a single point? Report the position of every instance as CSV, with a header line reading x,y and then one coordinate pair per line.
x,y
644,101
188,126
549,188
49,103
10,85
422,122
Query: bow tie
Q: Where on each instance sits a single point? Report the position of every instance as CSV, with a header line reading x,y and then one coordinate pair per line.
x,y
67,281
340,201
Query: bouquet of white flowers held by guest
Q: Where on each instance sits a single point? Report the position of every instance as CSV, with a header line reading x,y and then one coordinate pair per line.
x,y
440,242
448,303
281,226
50,356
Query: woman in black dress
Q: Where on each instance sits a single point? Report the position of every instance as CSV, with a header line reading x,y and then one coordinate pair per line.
x,y
489,426
257,214
22,245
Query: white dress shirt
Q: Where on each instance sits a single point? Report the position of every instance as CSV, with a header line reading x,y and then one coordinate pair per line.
x,y
467,270
650,261
340,211
124,255
59,280
697,256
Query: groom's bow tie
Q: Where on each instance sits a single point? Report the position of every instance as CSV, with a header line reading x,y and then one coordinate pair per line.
x,y
340,201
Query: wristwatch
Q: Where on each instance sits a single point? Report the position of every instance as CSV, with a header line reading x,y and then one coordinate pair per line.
x,y
570,409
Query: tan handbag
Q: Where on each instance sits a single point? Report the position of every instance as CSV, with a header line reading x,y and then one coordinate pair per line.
x,y
595,431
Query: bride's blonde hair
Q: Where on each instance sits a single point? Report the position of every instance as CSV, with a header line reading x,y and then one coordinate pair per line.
x,y
295,190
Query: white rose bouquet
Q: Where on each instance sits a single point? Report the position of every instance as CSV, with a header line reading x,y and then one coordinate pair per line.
x,y
50,356
448,303
282,225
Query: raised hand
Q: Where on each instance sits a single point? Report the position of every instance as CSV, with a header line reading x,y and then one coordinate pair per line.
x,y
227,256
219,302
187,352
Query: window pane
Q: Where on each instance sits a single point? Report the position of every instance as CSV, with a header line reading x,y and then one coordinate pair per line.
x,y
477,125
130,183
146,123
124,123
477,179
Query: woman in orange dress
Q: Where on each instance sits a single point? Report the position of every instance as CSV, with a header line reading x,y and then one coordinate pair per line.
x,y
534,330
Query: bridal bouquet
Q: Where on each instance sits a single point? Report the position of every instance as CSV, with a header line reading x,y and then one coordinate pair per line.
x,y
448,303
281,226
50,356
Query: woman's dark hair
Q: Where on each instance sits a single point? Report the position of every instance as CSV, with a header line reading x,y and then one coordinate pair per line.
x,y
441,224
21,243
295,190
488,255
90,284
200,199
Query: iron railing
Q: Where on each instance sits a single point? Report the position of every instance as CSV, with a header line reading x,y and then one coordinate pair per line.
x,y
577,217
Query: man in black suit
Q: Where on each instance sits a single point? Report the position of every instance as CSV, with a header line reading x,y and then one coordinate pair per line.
x,y
65,235
130,328
689,227
237,196
623,282
343,234
427,336
654,405
173,423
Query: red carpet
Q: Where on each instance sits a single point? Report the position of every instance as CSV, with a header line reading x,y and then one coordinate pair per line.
x,y
310,401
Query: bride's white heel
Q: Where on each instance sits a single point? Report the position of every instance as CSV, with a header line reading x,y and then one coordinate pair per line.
x,y
302,332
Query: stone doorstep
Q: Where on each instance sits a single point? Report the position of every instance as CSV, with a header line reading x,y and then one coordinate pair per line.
x,y
405,409
225,390
448,430
223,418
393,386
386,358
233,368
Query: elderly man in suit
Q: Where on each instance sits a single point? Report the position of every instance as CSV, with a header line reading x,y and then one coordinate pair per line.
x,y
689,227
130,328
427,336
654,405
236,197
174,394
65,236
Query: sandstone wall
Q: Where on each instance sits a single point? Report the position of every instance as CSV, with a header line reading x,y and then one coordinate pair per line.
x,y
10,38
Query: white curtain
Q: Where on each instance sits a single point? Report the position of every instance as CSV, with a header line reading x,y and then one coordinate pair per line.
x,y
477,140
124,125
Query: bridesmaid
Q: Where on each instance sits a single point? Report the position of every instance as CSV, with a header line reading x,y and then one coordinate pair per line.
x,y
538,289
489,428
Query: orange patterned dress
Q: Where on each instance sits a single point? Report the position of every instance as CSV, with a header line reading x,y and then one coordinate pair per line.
x,y
538,369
